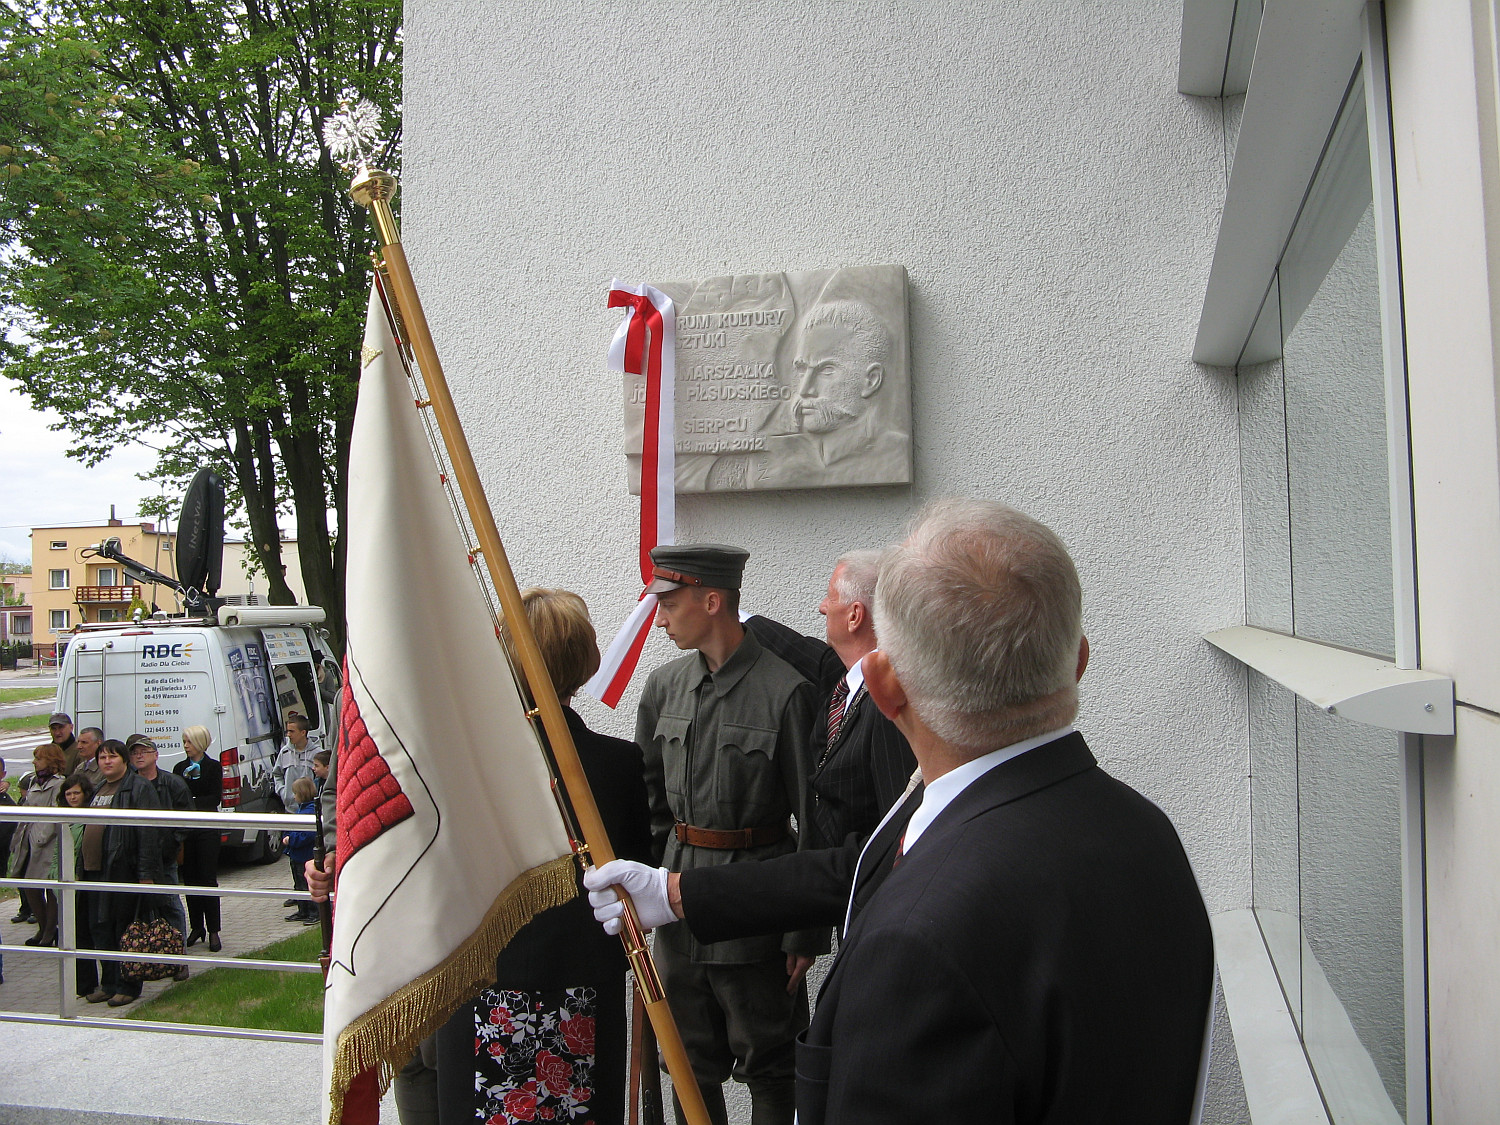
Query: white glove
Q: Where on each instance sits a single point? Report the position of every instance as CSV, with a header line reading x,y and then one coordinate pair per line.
x,y
647,887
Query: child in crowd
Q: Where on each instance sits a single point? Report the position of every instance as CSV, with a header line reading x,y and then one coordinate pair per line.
x,y
320,767
78,793
299,849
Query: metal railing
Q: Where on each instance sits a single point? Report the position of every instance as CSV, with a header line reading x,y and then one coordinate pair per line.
x,y
67,885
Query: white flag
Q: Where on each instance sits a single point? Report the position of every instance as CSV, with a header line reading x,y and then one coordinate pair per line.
x,y
448,836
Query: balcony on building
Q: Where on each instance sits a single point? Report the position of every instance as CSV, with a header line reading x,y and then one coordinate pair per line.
x,y
105,595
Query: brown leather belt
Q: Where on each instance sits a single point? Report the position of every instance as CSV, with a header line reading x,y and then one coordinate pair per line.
x,y
730,838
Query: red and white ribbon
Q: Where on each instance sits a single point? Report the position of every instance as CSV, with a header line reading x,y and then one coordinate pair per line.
x,y
644,344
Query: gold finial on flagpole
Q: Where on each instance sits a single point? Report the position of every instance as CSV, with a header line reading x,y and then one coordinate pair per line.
x,y
375,189
350,136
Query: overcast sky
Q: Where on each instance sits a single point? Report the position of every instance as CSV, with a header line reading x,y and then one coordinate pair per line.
x,y
40,485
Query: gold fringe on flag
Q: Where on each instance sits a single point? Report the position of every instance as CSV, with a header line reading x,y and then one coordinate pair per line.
x,y
388,1034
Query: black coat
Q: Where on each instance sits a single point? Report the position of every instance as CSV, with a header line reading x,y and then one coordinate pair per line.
x,y
861,773
132,852
1043,955
207,788
564,946
175,796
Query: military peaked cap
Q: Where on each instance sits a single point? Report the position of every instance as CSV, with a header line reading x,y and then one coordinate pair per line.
x,y
697,564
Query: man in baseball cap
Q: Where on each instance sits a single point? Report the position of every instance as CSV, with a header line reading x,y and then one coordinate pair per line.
x,y
729,723
61,726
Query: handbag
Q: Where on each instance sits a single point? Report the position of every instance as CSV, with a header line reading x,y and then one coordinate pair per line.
x,y
149,932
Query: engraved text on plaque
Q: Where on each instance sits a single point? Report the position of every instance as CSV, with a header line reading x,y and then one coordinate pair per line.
x,y
787,380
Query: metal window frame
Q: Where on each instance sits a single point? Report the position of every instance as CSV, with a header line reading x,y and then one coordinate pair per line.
x,y
1305,52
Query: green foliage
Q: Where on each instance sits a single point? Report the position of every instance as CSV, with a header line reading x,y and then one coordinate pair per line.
x,y
249,997
180,254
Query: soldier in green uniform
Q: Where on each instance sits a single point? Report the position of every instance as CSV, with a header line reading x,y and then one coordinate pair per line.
x,y
725,733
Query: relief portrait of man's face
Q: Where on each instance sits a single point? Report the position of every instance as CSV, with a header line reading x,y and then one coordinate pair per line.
x,y
839,366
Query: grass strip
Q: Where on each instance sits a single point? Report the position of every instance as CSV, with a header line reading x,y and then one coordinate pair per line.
x,y
25,694
266,1000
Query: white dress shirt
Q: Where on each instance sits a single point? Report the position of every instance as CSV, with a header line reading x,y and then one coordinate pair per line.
x,y
941,793
855,677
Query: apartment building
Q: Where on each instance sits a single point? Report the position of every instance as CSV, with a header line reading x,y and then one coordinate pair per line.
x,y
75,586
15,608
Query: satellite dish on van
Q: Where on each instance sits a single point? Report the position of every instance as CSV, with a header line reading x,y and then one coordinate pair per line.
x,y
200,533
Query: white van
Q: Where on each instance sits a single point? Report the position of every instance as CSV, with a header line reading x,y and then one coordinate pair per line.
x,y
240,676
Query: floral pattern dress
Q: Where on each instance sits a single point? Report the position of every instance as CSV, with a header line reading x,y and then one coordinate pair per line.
x,y
547,1041
534,1055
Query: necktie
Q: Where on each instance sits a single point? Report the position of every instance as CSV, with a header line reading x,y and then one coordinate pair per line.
x,y
836,704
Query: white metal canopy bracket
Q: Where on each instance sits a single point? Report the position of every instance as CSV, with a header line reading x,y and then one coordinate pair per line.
x,y
1349,684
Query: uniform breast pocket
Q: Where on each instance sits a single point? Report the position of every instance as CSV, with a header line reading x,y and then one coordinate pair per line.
x,y
747,784
671,738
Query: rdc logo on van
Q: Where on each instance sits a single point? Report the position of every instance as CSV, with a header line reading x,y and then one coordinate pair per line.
x,y
179,652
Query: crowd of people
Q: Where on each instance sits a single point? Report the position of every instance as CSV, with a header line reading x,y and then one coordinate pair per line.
x,y
1020,936
91,771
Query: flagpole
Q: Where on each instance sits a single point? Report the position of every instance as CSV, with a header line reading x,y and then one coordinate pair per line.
x,y
374,189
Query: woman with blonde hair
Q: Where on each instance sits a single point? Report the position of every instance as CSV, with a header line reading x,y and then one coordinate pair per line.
x,y
557,1008
200,847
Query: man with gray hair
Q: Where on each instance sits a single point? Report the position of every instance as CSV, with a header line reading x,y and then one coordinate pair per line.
x,y
1024,940
85,750
862,762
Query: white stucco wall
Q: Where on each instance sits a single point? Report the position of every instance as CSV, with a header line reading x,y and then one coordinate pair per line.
x,y
1055,202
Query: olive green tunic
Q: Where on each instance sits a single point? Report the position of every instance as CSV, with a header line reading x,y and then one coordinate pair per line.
x,y
728,749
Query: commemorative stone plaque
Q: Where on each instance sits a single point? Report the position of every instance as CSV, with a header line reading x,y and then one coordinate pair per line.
x,y
786,380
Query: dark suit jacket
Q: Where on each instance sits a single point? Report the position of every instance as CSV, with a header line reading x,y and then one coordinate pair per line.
x,y
1042,955
792,891
866,768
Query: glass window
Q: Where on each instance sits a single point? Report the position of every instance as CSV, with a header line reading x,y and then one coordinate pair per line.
x,y
59,545
109,576
61,619
1326,792
57,579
